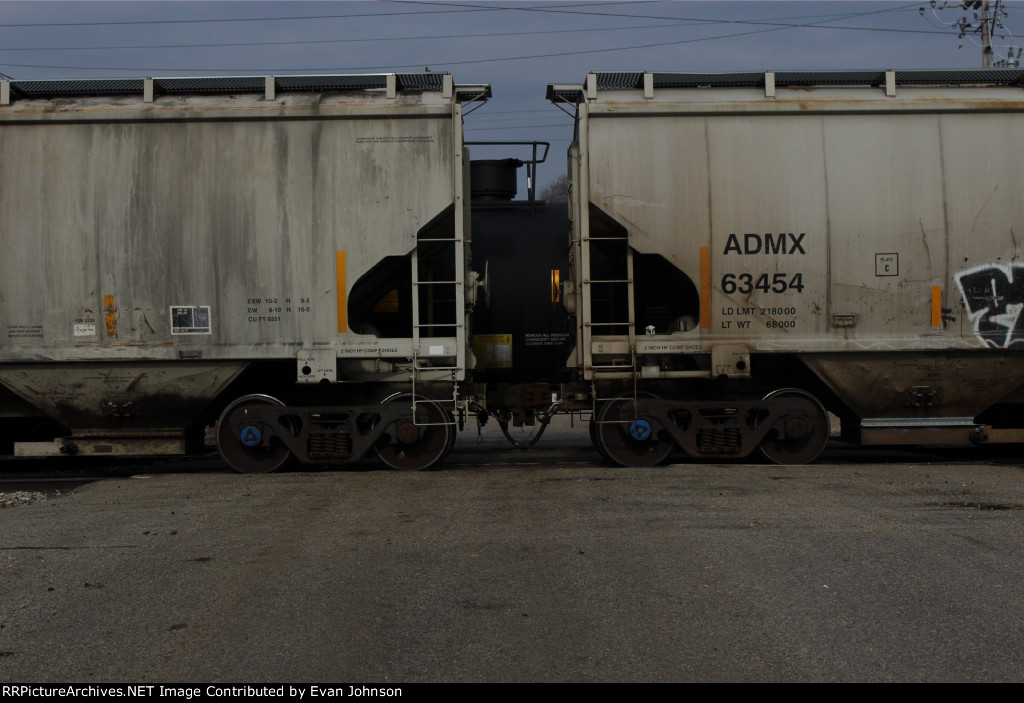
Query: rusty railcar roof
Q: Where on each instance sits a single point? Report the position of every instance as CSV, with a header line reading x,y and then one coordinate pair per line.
x,y
235,85
634,80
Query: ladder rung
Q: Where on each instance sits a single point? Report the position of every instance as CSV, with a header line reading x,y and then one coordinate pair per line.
x,y
436,283
611,280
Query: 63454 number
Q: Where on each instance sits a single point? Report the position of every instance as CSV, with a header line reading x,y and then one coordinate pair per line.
x,y
746,283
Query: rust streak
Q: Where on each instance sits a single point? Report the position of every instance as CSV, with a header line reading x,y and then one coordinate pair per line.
x,y
109,313
924,240
145,321
135,382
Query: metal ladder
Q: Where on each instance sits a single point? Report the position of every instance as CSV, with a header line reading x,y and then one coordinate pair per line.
x,y
436,316
629,324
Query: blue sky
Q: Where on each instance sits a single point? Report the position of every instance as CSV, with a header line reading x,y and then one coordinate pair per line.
x,y
518,47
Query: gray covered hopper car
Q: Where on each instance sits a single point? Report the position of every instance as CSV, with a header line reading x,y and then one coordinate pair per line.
x,y
288,254
749,250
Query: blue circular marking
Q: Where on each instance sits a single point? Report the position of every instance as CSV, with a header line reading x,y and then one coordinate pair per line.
x,y
251,436
640,430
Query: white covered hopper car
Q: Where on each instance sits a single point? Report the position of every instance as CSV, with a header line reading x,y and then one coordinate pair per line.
x,y
752,250
289,254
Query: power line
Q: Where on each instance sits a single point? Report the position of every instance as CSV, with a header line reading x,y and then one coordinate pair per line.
x,y
288,18
767,27
121,23
987,24
303,42
679,22
563,10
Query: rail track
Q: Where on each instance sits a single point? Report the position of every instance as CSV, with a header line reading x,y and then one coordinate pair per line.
x,y
65,474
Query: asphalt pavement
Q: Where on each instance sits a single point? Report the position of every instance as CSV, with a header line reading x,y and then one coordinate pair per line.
x,y
548,568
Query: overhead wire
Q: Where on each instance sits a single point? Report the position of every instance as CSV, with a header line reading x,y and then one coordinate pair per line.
x,y
820,22
771,26
287,18
676,22
355,40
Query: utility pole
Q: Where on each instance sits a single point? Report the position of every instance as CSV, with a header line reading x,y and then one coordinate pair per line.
x,y
987,19
986,34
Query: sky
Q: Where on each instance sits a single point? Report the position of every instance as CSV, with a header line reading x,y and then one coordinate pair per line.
x,y
517,47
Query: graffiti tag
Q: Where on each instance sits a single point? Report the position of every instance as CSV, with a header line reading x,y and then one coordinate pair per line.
x,y
994,297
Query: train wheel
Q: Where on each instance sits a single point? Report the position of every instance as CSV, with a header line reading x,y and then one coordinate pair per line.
x,y
628,438
242,445
414,446
806,435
